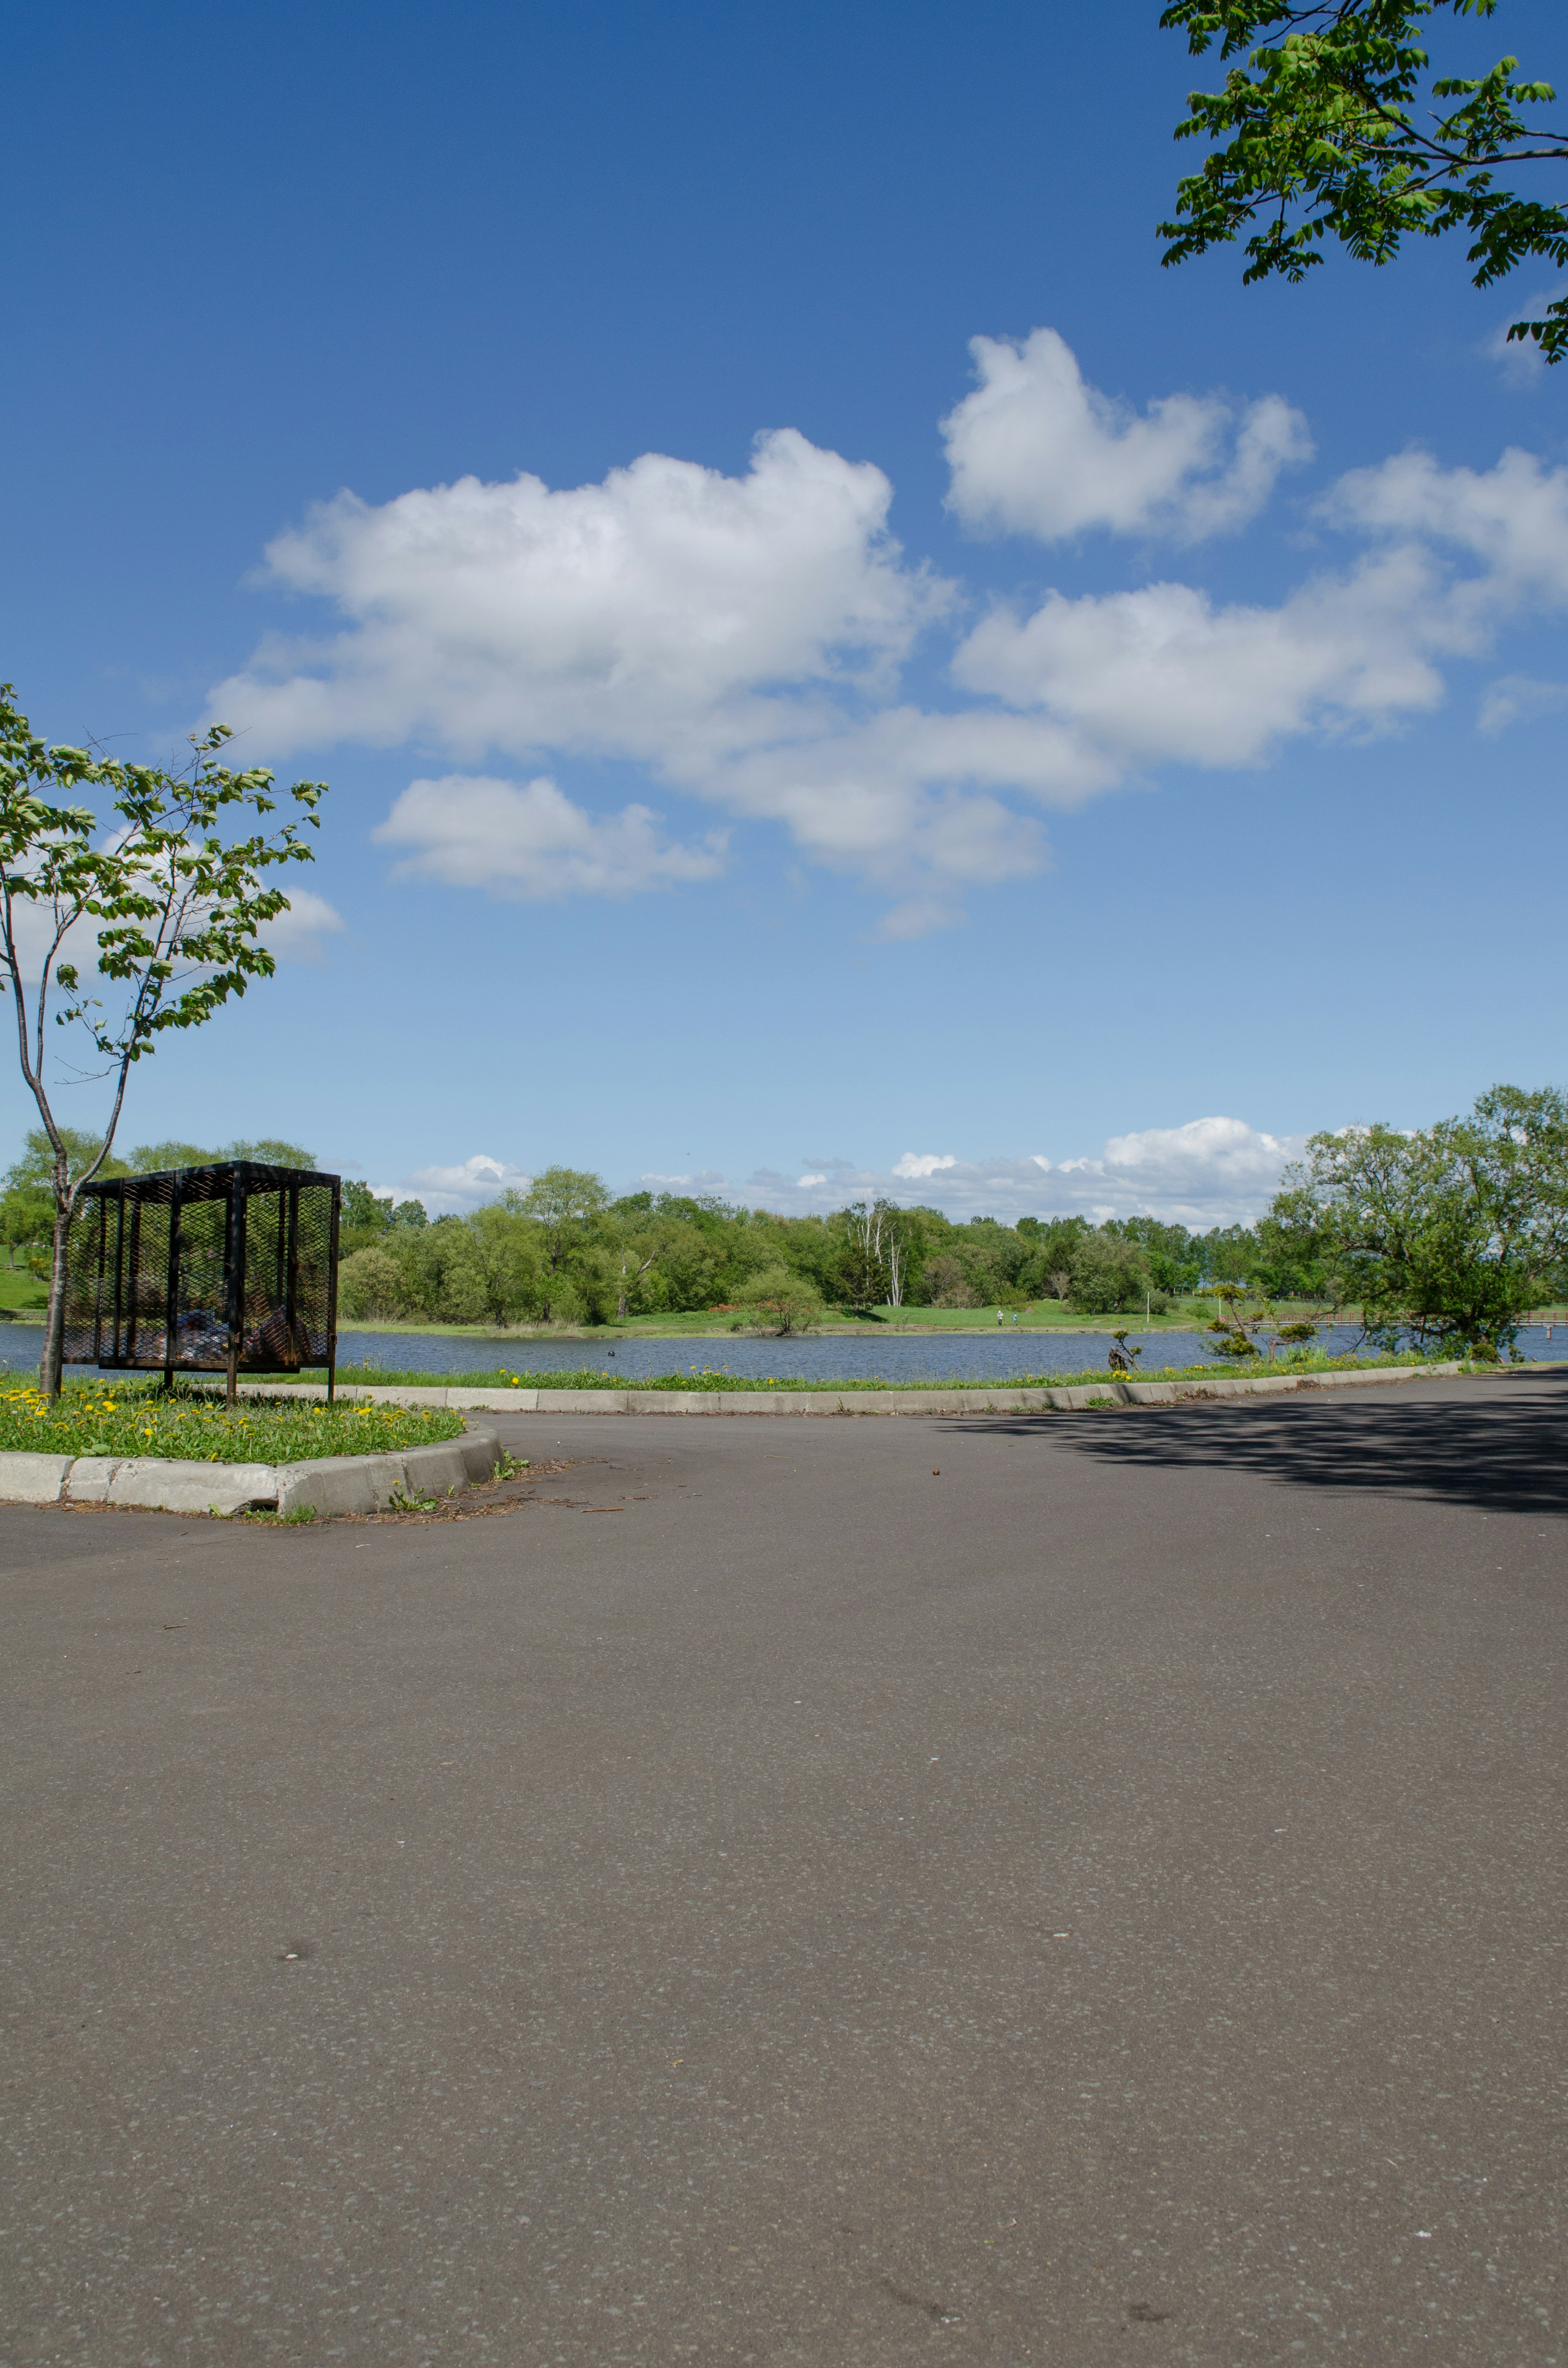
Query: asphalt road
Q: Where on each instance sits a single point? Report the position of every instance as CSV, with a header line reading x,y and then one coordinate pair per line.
x,y
1098,1900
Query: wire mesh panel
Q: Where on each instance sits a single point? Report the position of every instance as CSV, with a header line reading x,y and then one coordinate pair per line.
x,y
230,1268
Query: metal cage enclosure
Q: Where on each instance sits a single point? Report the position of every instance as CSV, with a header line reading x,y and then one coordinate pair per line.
x,y
229,1270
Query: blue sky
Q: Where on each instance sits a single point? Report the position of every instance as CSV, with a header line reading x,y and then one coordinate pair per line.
x,y
974,815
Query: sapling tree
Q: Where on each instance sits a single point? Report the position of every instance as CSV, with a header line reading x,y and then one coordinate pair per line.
x,y
120,930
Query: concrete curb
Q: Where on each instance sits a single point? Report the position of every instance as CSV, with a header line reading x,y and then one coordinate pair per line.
x,y
1112,1391
332,1484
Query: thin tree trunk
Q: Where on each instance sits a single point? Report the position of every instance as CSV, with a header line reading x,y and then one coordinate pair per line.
x,y
51,1372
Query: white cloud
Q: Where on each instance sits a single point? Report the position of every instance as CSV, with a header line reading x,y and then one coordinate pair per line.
x,y
1164,674
740,640
1036,450
1204,1157
300,933
1517,699
1211,1171
297,935
647,613
453,1191
532,842
703,1181
1512,519
1522,363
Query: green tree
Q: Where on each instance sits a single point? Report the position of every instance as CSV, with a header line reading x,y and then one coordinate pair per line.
x,y
1226,1254
873,1267
1108,1275
566,1203
1170,1253
26,1219
1320,134
154,1158
84,1156
495,1267
1451,1231
371,1285
151,1158
362,1218
165,909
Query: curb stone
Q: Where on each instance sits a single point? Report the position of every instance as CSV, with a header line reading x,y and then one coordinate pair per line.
x,y
1114,1390
331,1484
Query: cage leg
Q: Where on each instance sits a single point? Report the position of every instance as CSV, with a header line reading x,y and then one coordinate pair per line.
x,y
168,1381
232,1397
331,1376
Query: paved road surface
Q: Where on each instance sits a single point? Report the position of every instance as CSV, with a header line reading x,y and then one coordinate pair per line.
x,y
1101,1900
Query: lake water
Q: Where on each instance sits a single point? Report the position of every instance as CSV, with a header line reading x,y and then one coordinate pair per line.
x,y
905,1362
927,1357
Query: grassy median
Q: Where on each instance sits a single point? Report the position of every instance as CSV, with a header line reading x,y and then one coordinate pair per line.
x,y
139,1419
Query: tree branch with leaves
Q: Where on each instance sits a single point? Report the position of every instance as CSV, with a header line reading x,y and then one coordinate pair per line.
x,y
1319,136
171,898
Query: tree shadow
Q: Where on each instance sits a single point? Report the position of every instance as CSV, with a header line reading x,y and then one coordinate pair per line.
x,y
1503,1453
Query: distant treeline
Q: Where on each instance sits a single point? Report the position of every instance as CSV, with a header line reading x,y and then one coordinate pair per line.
x,y
1448,1232
565,1251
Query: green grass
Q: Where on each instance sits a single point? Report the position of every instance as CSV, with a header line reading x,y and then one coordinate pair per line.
x,y
137,1418
718,1378
1044,1316
20,1289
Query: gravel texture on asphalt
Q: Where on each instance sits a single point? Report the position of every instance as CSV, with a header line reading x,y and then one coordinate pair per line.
x,y
1065,1889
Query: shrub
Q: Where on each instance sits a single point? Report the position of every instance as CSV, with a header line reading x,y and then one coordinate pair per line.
x,y
779,1303
369,1286
947,1285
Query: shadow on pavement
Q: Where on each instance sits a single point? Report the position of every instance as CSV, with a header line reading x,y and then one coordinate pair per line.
x,y
1504,1453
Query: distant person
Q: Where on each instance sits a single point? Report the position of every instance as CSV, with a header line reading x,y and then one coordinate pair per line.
x,y
1000,1318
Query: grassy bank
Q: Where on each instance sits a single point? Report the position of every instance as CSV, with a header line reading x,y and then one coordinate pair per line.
x,y
137,1418
884,1323
706,1324
719,1378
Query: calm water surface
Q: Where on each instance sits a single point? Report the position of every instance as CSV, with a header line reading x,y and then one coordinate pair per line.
x,y
928,1358
906,1362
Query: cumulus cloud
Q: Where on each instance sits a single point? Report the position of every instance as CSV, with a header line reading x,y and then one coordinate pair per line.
x,y
454,1190
1517,699
1167,674
648,612
1037,451
1211,1171
533,842
300,933
742,640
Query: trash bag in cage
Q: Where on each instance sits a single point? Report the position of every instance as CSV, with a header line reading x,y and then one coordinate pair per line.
x,y
226,1268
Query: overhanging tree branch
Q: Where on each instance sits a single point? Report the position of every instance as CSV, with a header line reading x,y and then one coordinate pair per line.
x,y
1315,139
